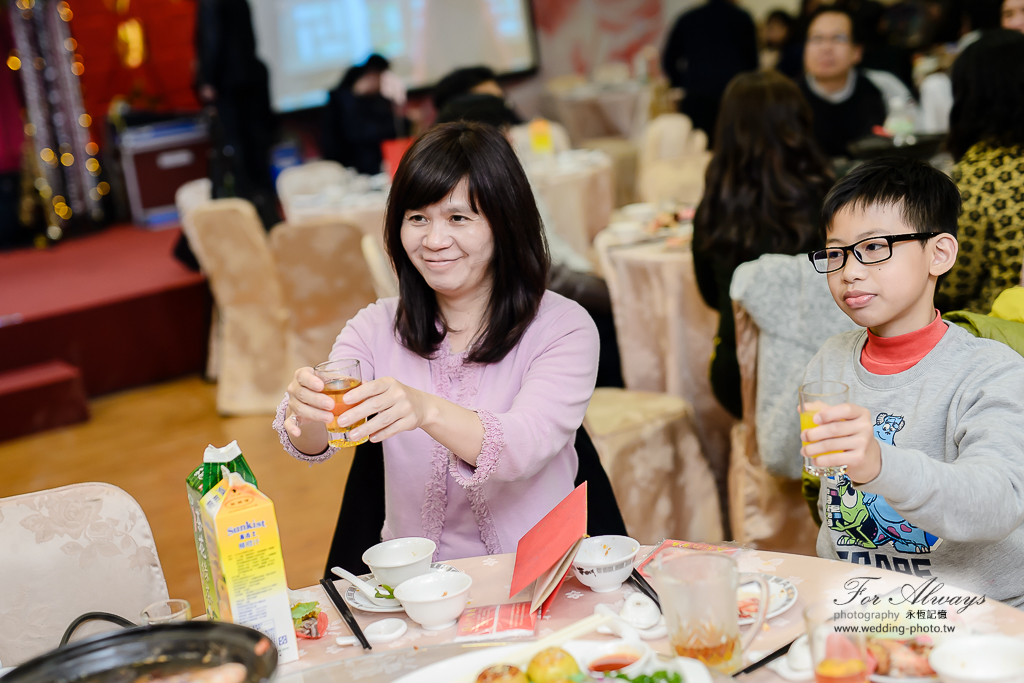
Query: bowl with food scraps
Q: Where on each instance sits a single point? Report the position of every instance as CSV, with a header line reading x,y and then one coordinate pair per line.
x,y
400,559
602,563
982,658
436,600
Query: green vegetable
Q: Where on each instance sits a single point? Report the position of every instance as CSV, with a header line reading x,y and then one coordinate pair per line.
x,y
389,592
656,677
304,610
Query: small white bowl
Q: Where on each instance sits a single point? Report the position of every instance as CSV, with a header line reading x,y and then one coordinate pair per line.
x,y
604,562
989,658
400,559
638,651
436,600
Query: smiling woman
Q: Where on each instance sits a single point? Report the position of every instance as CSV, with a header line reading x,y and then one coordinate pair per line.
x,y
474,378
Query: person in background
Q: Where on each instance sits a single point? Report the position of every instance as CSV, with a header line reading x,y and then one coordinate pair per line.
x,y
1013,15
986,137
879,53
358,118
846,104
232,79
475,80
705,49
781,49
572,275
762,195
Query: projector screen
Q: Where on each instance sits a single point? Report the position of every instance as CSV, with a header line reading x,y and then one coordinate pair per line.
x,y
308,44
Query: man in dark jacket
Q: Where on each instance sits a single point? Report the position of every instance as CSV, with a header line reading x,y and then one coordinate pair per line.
x,y
706,48
846,105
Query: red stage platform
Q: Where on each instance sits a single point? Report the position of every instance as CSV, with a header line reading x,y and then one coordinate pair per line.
x,y
116,308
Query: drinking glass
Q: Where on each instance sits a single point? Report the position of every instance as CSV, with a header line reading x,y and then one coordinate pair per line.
x,y
839,648
340,377
698,596
814,396
166,611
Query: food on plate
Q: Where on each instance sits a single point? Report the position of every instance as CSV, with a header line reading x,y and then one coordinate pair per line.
x,y
551,665
503,673
310,621
231,672
656,677
902,658
748,607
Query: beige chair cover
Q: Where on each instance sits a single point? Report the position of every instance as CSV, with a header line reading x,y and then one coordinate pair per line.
x,y
673,158
325,281
765,511
648,446
243,277
623,154
385,282
307,180
67,551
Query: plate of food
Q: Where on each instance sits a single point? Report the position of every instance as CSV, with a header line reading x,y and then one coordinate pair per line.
x,y
902,660
577,660
355,598
781,596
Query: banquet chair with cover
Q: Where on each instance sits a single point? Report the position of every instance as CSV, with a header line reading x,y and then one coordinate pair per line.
x,y
673,158
385,282
325,281
247,290
649,447
307,180
68,551
767,509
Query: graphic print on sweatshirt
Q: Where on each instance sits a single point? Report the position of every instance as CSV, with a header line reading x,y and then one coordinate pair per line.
x,y
865,522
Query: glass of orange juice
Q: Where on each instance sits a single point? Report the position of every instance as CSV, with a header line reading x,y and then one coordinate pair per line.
x,y
839,648
340,377
815,396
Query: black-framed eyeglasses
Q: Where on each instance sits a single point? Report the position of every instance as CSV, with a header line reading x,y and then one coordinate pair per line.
x,y
868,251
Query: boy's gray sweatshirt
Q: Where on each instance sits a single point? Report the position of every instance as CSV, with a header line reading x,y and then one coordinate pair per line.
x,y
949,500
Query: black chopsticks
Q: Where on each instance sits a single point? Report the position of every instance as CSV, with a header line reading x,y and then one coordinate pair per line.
x,y
765,660
346,613
638,580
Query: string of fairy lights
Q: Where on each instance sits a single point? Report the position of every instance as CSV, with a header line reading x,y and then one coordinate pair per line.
x,y
46,55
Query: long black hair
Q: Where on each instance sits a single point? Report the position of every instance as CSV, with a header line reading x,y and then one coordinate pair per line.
x,y
988,93
767,178
500,192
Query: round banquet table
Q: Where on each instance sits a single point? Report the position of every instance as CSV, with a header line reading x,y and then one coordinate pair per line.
x,y
322,661
666,334
596,111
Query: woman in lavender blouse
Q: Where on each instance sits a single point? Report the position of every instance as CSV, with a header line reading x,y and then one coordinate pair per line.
x,y
478,378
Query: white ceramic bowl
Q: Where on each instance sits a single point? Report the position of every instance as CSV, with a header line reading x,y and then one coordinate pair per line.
x,y
400,559
603,562
639,652
990,658
436,600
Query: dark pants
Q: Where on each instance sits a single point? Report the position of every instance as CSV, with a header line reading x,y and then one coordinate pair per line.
x,y
362,507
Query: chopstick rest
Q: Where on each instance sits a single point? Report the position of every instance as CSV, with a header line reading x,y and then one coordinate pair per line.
x,y
346,613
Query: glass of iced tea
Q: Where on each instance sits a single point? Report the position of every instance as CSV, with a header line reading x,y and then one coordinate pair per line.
x,y
698,595
839,648
340,377
815,396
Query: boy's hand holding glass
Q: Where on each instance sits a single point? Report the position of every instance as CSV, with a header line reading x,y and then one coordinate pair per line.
x,y
846,434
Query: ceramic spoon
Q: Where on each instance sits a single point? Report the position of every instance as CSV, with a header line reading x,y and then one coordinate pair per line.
x,y
369,591
383,631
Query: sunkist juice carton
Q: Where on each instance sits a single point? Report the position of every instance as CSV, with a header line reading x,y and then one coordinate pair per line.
x,y
246,563
201,480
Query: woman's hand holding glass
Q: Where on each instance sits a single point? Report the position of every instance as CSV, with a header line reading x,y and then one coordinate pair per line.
x,y
398,408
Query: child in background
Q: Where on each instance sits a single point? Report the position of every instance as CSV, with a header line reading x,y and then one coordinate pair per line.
x,y
933,434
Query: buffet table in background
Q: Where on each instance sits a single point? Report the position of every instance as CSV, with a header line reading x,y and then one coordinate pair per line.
x,y
322,661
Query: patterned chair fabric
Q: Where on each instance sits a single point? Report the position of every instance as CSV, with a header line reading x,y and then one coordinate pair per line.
x,y
247,290
67,551
649,447
325,280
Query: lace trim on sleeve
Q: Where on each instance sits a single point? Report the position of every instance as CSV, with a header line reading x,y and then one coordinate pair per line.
x,y
289,447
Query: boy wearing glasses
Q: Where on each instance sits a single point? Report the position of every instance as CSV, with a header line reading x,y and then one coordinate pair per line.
x,y
933,435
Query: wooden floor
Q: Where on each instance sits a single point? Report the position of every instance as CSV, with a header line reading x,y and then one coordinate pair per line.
x,y
148,440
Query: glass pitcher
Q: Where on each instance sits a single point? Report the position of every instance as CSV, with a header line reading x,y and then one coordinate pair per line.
x,y
698,595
